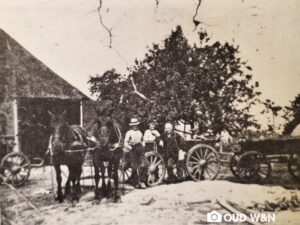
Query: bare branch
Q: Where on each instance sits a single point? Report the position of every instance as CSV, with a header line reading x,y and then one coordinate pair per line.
x,y
109,31
156,5
231,209
133,84
195,21
136,91
121,99
104,26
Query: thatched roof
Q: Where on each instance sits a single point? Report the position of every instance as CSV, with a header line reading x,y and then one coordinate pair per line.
x,y
23,75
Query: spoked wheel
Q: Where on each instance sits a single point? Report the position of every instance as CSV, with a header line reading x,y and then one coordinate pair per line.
x,y
202,162
253,167
15,168
125,170
233,164
156,168
294,166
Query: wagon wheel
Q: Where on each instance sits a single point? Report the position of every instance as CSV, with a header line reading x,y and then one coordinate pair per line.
x,y
294,166
202,162
16,168
128,172
253,167
156,168
233,164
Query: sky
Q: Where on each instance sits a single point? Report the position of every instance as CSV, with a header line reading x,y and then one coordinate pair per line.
x,y
68,37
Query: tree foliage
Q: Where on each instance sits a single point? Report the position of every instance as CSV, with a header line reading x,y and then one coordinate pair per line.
x,y
292,115
206,85
271,107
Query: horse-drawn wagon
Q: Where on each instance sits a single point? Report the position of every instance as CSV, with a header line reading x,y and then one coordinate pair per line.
x,y
201,162
252,162
249,160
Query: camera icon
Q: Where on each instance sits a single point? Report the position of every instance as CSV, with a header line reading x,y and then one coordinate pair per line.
x,y
214,217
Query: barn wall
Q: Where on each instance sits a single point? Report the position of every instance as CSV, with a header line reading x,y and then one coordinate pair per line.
x,y
6,108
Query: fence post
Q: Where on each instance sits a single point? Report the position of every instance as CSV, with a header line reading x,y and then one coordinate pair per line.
x,y
16,125
81,113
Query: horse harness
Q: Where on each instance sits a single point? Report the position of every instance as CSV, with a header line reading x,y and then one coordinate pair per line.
x,y
80,142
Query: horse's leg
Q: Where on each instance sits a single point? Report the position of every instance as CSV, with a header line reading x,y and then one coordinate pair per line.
x,y
116,162
78,179
59,197
76,182
109,172
74,178
68,186
102,168
71,177
97,177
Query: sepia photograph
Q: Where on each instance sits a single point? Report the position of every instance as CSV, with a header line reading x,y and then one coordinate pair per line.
x,y
149,112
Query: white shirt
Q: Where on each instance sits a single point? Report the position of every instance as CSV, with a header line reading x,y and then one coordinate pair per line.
x,y
133,137
151,135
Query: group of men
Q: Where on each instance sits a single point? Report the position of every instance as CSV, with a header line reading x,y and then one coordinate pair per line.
x,y
170,144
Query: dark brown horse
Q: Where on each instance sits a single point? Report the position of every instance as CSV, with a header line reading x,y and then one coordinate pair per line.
x,y
107,138
67,144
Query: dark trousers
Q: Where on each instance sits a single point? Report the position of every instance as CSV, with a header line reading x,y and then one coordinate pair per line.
x,y
139,164
171,162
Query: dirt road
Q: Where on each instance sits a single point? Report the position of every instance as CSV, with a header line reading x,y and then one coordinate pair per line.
x,y
184,203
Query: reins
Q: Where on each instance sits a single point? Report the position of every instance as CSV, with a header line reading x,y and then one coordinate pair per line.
x,y
80,150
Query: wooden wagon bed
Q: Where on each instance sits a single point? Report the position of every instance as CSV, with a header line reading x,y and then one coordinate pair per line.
x,y
284,145
253,162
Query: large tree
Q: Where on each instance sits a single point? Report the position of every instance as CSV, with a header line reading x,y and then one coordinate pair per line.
x,y
206,84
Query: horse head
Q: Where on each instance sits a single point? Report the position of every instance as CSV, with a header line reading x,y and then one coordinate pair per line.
x,y
59,131
105,129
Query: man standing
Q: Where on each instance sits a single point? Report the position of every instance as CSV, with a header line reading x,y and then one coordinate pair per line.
x,y
173,145
134,143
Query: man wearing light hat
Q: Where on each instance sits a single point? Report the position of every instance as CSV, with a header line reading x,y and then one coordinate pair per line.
x,y
134,143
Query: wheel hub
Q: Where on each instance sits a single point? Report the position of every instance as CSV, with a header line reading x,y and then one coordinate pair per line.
x,y
15,169
202,162
152,168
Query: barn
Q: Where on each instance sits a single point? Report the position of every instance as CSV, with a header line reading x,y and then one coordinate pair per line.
x,y
28,89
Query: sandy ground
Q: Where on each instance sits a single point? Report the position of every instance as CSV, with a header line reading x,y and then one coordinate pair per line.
x,y
183,203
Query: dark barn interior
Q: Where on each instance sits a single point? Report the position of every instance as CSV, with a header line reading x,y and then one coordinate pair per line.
x,y
34,119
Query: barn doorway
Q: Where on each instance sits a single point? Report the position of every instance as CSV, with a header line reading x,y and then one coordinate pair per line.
x,y
34,122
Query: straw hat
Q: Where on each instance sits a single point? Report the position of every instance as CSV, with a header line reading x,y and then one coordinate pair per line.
x,y
134,122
